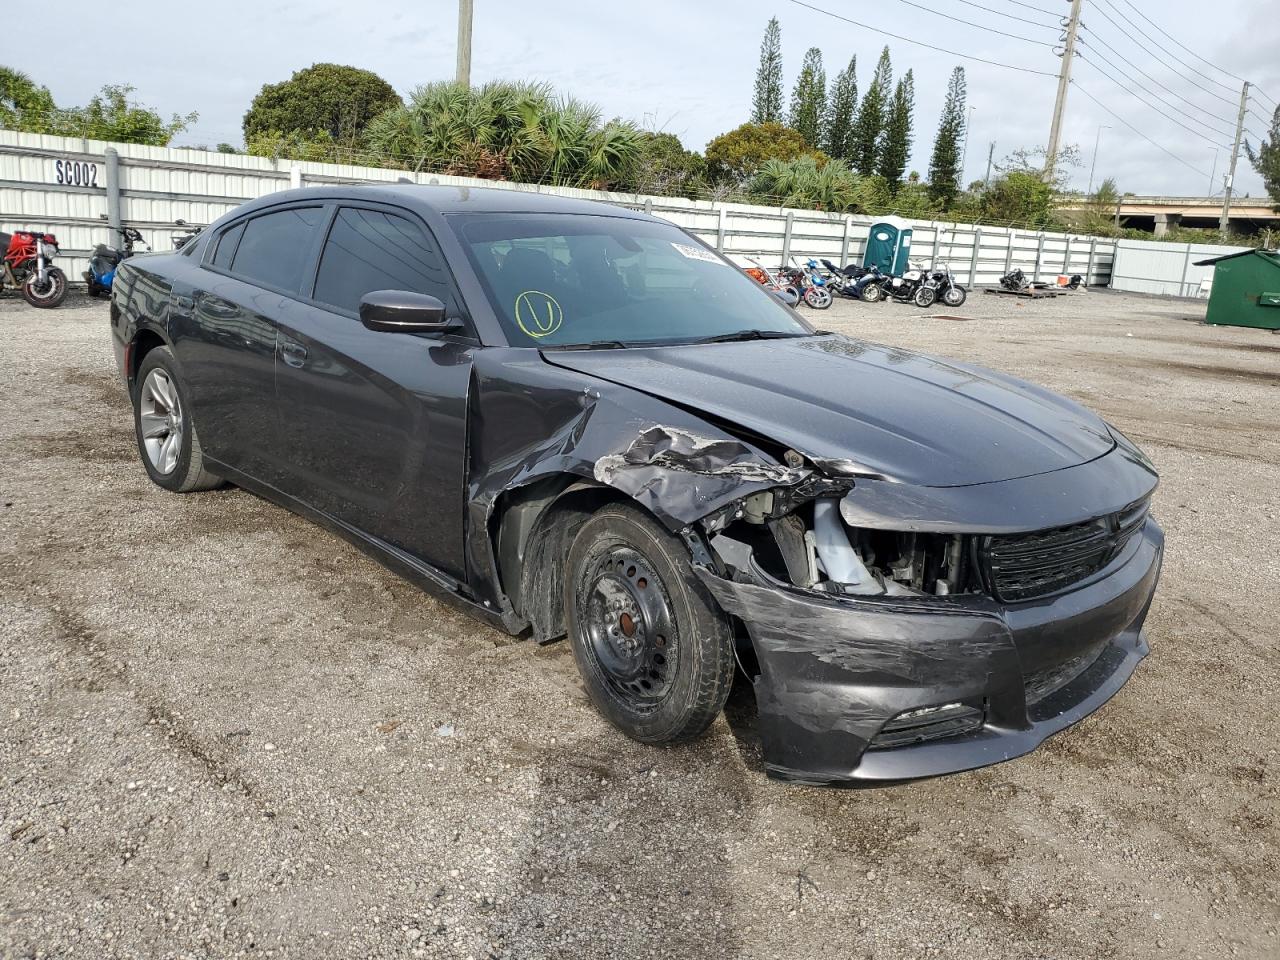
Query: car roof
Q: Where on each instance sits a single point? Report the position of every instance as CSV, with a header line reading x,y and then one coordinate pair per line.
x,y
449,199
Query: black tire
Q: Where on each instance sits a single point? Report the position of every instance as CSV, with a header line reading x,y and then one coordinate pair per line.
x,y
872,293
955,296
668,679
925,296
188,472
49,294
819,298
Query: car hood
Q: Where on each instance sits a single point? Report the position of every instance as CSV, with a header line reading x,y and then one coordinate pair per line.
x,y
862,409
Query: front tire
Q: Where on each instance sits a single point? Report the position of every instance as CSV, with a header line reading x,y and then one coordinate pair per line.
x,y
48,294
817,297
166,435
654,651
955,296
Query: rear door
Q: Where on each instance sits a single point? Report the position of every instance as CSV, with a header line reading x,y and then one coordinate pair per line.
x,y
224,329
374,423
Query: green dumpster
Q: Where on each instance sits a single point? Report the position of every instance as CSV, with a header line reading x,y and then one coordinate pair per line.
x,y
1246,289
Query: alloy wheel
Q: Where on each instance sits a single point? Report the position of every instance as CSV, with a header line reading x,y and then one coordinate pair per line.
x,y
160,421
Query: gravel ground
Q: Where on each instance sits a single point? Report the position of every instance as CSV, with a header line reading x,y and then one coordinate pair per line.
x,y
227,733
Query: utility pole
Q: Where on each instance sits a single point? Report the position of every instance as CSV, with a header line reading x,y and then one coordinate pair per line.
x,y
991,155
1072,27
964,154
1224,223
465,10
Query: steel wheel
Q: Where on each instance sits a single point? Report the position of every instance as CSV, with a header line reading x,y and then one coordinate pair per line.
x,y
954,296
630,627
50,293
872,293
160,419
925,296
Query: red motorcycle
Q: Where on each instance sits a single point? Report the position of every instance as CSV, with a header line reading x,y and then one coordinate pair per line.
x,y
28,265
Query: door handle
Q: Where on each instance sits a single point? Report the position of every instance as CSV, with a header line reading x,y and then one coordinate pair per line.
x,y
294,354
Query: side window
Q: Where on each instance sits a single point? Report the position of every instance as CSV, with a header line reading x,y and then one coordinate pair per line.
x,y
274,247
227,246
369,250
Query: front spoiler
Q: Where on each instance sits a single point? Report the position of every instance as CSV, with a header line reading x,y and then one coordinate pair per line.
x,y
834,670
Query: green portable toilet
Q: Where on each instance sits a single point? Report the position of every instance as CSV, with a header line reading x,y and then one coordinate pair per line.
x,y
1246,289
888,246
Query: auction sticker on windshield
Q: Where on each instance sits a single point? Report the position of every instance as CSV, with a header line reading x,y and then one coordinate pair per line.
x,y
696,253
538,314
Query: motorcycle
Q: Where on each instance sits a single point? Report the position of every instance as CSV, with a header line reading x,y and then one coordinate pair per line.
x,y
904,288
28,267
103,263
180,240
813,285
773,282
940,284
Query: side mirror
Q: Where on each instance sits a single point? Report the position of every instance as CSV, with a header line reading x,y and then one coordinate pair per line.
x,y
400,311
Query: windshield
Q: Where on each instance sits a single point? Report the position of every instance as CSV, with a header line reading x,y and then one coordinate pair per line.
x,y
576,280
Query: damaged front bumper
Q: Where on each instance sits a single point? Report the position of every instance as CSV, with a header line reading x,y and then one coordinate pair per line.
x,y
855,688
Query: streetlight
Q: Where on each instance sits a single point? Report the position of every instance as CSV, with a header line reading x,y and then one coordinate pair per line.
x,y
1094,165
1213,170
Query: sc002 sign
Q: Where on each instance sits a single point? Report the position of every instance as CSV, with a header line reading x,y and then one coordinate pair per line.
x,y
75,173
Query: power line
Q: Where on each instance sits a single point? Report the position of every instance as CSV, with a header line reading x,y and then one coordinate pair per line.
x,y
1010,16
1032,6
1211,93
1137,83
1117,116
1127,3
1157,44
1148,103
970,23
920,43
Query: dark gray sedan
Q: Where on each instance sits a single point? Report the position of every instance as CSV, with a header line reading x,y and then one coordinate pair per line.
x,y
577,420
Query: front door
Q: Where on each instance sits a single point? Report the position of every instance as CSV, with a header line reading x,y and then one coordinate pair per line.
x,y
375,423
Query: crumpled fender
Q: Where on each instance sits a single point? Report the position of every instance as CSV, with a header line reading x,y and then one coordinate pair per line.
x,y
531,420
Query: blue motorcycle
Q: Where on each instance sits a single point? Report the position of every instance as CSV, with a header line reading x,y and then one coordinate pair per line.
x,y
103,263
814,288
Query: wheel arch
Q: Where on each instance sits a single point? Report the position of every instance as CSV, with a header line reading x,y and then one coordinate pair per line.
x,y
145,339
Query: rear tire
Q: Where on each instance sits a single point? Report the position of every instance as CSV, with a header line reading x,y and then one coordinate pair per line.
x,y
167,440
925,296
654,650
872,293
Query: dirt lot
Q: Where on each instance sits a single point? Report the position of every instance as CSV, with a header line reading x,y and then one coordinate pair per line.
x,y
227,733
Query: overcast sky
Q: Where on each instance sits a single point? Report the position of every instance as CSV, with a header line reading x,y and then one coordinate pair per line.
x,y
687,66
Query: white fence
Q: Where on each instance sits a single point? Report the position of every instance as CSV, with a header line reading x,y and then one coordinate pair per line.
x,y
1167,269
60,184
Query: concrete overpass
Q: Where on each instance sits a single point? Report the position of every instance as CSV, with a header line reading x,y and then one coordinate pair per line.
x,y
1248,214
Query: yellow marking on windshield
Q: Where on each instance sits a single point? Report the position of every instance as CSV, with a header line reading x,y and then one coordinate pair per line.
x,y
538,314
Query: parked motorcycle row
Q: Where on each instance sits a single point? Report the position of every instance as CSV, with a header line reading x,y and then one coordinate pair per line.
x,y
818,283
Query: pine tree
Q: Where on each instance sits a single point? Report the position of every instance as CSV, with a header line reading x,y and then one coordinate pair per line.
x,y
809,98
871,118
1266,159
766,105
894,148
844,101
944,164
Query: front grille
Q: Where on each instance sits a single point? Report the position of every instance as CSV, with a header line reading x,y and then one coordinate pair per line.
x,y
1042,683
1029,565
929,723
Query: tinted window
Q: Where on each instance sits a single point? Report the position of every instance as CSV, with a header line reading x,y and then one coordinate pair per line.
x,y
574,278
273,250
226,246
369,250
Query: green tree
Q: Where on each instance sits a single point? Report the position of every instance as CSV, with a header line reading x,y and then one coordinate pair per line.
x,y
24,105
803,182
735,156
1020,197
508,130
838,142
894,148
324,98
944,163
766,104
1266,159
111,115
667,168
809,98
871,117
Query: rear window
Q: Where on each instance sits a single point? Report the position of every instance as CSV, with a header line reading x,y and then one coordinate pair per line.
x,y
274,248
226,246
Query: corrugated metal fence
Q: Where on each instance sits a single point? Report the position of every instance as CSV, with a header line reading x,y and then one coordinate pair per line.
x,y
60,184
